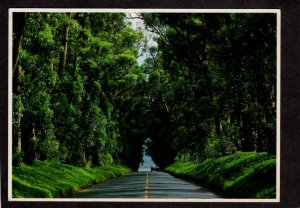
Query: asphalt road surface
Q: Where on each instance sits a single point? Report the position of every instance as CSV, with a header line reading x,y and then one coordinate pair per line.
x,y
146,184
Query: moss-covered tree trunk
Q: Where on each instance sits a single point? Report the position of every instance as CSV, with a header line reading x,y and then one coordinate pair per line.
x,y
19,20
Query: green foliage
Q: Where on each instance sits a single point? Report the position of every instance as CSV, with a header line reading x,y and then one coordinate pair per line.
x,y
74,67
51,179
212,82
240,175
50,148
17,156
18,109
206,90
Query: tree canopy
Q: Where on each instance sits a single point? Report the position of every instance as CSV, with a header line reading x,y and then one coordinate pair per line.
x,y
80,97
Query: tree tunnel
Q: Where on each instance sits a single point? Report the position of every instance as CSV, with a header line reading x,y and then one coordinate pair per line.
x,y
82,96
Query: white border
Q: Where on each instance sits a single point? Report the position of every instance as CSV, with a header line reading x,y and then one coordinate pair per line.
x,y
278,92
10,46
278,105
53,10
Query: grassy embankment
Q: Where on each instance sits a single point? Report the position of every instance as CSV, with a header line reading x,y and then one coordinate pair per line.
x,y
52,179
241,175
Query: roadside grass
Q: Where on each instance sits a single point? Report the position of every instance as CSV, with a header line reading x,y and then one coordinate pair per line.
x,y
52,179
241,175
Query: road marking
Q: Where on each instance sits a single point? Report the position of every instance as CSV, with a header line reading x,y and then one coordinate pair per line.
x,y
147,186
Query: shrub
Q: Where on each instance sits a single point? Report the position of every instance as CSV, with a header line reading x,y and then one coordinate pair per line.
x,y
52,179
241,175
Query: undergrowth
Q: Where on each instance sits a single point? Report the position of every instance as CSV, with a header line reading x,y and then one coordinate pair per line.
x,y
53,179
241,175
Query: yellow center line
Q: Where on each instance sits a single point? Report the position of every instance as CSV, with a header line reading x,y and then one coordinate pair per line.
x,y
147,186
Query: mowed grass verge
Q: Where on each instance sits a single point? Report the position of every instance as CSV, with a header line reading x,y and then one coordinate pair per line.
x,y
241,175
53,179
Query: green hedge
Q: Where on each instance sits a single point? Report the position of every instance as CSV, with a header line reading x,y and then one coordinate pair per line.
x,y
53,179
241,175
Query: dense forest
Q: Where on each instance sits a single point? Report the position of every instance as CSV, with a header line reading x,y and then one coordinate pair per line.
x,y
207,89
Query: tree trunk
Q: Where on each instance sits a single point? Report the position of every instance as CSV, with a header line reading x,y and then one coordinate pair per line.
x,y
84,159
17,147
19,20
218,126
18,28
217,119
33,145
237,117
247,138
75,64
28,142
266,141
63,55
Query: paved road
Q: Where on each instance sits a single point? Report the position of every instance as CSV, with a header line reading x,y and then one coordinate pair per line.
x,y
146,185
